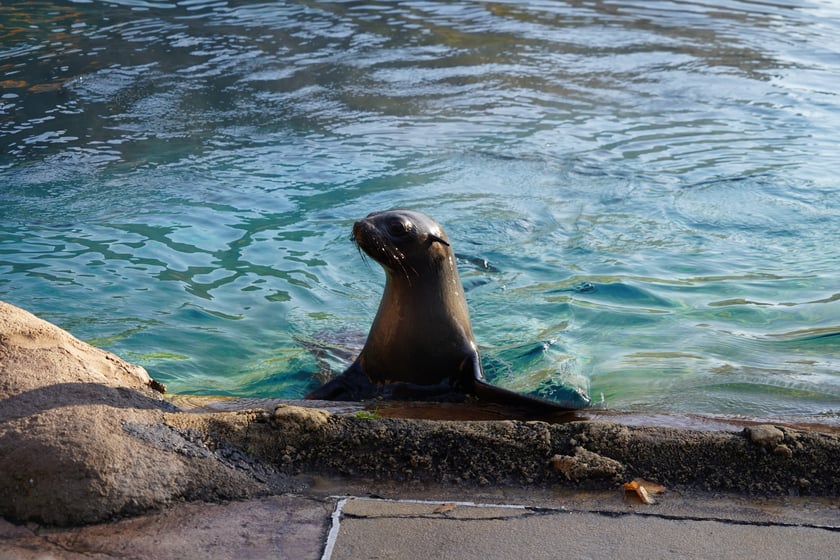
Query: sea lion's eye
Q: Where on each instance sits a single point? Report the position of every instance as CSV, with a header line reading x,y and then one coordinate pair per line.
x,y
398,228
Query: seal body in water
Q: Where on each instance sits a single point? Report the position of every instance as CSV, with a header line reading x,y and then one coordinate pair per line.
x,y
421,345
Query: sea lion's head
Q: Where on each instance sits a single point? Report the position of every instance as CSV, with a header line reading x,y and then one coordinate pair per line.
x,y
404,242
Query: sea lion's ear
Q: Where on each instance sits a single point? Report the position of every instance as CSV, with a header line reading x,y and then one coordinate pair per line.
x,y
433,238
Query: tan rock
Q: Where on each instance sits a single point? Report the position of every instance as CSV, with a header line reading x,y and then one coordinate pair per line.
x,y
765,435
51,356
586,465
83,436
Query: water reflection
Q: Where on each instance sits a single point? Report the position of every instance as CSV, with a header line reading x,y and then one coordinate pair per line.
x,y
651,184
117,78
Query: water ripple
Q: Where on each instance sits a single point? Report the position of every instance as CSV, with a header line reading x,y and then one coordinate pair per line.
x,y
653,184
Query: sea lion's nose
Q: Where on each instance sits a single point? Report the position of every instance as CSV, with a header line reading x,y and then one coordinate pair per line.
x,y
361,230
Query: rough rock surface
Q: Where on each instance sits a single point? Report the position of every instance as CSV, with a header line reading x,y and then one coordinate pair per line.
x,y
514,453
83,437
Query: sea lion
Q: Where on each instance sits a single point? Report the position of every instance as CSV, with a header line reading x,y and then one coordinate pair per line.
x,y
421,344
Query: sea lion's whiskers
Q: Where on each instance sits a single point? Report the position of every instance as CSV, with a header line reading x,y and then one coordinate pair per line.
x,y
364,257
400,260
359,249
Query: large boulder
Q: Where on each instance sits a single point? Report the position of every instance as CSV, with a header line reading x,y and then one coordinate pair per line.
x,y
84,437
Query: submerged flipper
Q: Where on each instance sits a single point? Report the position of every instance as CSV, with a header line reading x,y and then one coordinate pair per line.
x,y
575,400
562,398
354,385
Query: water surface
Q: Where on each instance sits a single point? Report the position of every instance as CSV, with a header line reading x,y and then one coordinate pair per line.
x,y
646,189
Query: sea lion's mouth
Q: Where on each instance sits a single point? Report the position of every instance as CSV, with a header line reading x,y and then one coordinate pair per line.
x,y
372,242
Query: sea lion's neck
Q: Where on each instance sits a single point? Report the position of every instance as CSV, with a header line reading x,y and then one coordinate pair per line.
x,y
422,324
435,296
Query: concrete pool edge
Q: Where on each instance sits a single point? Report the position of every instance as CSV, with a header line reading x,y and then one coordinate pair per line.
x,y
475,411
757,459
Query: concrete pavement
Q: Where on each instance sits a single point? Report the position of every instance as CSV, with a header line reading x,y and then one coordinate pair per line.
x,y
433,522
421,530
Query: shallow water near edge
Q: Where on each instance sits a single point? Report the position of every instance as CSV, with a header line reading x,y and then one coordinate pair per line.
x,y
647,191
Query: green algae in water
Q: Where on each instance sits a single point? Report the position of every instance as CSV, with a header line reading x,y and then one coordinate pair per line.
x,y
159,356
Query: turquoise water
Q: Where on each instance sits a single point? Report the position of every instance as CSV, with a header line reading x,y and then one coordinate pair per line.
x,y
650,186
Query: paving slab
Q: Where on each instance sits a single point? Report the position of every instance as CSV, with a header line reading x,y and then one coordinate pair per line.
x,y
274,527
405,530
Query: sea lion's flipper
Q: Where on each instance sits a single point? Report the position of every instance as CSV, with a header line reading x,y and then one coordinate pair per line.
x,y
352,385
573,400
562,400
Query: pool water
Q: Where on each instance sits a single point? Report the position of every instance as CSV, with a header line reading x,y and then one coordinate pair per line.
x,y
643,196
